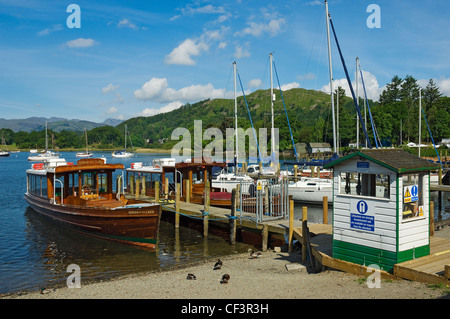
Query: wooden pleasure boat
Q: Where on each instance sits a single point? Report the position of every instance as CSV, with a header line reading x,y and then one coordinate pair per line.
x,y
82,196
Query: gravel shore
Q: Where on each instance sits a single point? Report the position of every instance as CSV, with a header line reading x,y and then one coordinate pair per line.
x,y
275,275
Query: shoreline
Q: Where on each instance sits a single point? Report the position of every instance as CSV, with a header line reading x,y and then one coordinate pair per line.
x,y
276,275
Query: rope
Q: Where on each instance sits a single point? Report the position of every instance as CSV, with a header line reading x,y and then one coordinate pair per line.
x,y
287,117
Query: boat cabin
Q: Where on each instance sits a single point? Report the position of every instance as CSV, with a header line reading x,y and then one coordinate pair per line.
x,y
65,183
381,203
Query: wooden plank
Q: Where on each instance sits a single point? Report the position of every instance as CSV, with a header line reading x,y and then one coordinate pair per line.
x,y
447,271
415,275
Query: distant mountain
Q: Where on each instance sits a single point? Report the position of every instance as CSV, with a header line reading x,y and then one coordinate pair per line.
x,y
56,124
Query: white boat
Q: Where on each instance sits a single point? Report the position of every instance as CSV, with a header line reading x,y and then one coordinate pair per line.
x,y
227,181
311,190
123,153
3,151
84,154
87,153
44,155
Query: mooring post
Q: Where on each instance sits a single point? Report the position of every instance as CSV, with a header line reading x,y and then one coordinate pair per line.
x,y
233,217
431,218
206,209
187,190
291,223
265,237
304,224
325,210
131,184
157,191
177,206
138,183
144,189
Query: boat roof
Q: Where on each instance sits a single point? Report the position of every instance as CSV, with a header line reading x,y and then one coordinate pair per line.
x,y
60,165
396,160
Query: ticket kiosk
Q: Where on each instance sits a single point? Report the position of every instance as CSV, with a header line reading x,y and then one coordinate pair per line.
x,y
381,201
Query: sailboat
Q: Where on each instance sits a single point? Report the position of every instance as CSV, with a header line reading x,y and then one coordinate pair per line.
x,y
123,153
3,151
46,154
87,153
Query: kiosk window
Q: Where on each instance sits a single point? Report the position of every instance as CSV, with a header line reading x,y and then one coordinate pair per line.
x,y
371,185
412,196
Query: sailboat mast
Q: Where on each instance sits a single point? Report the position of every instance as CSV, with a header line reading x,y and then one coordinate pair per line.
x,y
357,103
272,98
420,116
46,138
125,137
235,112
331,77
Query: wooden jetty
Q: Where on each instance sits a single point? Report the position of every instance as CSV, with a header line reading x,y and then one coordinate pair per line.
x,y
433,269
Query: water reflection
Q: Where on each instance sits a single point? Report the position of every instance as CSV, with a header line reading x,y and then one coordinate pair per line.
x,y
50,247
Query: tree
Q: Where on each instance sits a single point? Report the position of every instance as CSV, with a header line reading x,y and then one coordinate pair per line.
x,y
430,95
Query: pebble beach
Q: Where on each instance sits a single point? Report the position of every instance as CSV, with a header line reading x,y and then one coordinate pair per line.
x,y
273,275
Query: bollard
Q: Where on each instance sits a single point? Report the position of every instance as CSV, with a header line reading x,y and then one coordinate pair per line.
x,y
325,210
304,223
157,191
291,223
177,206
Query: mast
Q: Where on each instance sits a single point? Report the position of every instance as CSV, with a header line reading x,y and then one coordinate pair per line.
x,y
235,113
46,137
357,103
272,98
420,115
331,76
125,137
85,133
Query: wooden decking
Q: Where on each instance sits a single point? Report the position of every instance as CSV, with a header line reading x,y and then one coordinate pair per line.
x,y
434,268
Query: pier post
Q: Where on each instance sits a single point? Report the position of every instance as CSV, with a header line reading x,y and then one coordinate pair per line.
x,y
291,223
265,237
431,218
177,206
206,209
187,190
233,217
136,196
304,223
166,188
131,184
325,210
295,172
144,190
157,191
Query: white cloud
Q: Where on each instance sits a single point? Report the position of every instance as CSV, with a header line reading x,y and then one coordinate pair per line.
x,y
166,108
158,90
125,23
109,88
255,83
81,43
289,86
370,81
183,53
111,110
308,76
272,28
241,52
47,31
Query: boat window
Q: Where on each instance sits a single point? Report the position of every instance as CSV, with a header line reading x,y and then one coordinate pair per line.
x,y
250,170
371,185
37,185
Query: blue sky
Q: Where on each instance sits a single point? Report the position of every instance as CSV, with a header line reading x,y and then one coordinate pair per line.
x,y
132,58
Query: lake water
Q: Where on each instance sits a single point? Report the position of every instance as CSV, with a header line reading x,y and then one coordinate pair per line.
x,y
35,252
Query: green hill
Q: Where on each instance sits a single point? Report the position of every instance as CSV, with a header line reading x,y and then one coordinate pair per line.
x,y
309,113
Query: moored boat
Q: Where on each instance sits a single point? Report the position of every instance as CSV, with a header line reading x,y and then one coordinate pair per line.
x,y
82,196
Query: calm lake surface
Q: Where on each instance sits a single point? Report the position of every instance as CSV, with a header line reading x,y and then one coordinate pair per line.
x,y
35,252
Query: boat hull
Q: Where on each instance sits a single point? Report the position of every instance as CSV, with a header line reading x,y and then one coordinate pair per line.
x,y
132,224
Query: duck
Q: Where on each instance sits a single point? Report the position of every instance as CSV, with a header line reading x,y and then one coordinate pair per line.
x,y
45,291
225,279
218,264
191,277
254,254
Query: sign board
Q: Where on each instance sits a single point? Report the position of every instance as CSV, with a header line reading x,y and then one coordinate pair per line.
x,y
259,186
410,194
362,215
362,164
